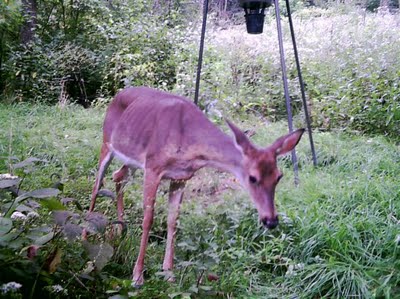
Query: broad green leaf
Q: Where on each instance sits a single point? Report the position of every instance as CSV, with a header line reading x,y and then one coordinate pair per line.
x,y
194,289
61,217
72,231
26,162
5,225
7,238
40,193
97,221
99,253
206,288
44,239
16,243
24,208
9,183
111,291
52,204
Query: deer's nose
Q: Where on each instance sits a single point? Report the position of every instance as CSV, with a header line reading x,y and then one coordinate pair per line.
x,y
271,223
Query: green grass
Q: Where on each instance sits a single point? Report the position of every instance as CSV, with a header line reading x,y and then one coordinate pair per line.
x,y
338,238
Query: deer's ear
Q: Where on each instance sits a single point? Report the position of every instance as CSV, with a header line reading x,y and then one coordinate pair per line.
x,y
286,143
241,140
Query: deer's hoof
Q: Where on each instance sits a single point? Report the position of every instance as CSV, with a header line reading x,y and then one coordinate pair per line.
x,y
170,279
137,282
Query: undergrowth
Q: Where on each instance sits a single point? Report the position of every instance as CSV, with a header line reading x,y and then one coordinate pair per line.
x,y
349,65
338,238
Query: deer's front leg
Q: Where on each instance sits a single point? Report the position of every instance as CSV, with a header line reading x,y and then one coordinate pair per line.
x,y
175,199
151,182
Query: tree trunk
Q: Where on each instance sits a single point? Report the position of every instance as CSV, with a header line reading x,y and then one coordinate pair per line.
x,y
29,11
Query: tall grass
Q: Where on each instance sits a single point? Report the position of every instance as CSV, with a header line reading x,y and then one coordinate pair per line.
x,y
349,61
339,231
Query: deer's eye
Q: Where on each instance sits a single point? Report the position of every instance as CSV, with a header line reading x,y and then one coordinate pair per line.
x,y
252,179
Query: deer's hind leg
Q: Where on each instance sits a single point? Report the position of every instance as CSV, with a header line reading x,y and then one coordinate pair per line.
x,y
175,199
150,186
106,157
120,178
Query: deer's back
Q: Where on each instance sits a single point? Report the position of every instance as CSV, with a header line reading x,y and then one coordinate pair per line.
x,y
150,124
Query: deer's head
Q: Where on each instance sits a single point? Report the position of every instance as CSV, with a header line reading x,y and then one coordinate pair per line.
x,y
259,172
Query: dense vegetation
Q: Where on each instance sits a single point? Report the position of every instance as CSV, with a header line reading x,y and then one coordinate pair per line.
x,y
340,234
84,51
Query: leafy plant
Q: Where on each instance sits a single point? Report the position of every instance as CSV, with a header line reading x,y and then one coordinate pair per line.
x,y
36,250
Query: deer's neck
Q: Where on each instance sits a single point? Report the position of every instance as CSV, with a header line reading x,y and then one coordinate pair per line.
x,y
225,156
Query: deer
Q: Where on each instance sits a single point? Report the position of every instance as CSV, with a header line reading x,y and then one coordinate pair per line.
x,y
170,138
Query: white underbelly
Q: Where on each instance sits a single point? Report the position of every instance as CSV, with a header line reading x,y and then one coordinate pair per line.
x,y
131,162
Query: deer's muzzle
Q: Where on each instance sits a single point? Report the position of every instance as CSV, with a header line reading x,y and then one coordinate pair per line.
x,y
270,223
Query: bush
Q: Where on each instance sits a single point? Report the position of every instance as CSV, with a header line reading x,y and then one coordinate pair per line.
x,y
54,72
40,252
86,49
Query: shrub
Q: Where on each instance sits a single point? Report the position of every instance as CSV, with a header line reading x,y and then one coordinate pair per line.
x,y
84,49
40,252
54,72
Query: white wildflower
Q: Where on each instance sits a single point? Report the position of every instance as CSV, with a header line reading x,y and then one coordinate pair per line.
x,y
57,288
10,287
18,216
7,176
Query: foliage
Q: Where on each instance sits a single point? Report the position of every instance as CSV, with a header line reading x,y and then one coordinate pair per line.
x,y
349,63
86,49
10,21
338,236
41,252
356,81
50,72
139,51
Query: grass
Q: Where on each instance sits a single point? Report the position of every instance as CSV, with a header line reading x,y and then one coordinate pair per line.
x,y
339,236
